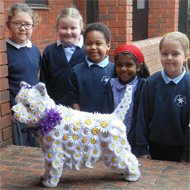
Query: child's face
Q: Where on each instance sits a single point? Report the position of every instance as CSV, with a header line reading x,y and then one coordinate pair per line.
x,y
172,57
96,46
69,30
126,68
20,35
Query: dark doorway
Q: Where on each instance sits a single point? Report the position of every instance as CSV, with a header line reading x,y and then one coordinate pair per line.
x,y
91,11
183,16
140,19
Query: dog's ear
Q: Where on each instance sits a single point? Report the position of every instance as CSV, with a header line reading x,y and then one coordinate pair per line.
x,y
41,87
23,83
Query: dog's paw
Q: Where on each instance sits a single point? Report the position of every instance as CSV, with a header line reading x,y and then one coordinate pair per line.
x,y
46,184
132,177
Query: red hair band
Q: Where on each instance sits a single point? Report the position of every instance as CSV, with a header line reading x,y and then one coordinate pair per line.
x,y
131,49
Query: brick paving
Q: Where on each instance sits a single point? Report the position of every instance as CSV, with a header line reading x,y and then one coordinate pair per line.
x,y
21,168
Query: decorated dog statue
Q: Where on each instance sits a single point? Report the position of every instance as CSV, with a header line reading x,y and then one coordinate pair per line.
x,y
75,139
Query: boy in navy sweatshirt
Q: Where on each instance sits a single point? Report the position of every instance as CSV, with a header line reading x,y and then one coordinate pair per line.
x,y
90,89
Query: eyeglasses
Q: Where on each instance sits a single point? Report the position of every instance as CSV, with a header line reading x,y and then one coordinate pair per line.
x,y
26,26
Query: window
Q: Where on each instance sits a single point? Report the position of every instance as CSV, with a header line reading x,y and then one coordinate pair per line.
x,y
38,4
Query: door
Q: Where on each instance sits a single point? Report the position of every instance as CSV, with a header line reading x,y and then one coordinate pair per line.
x,y
140,19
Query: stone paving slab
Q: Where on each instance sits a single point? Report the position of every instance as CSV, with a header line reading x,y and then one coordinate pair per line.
x,y
21,168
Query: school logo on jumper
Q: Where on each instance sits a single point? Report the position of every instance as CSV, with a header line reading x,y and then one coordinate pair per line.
x,y
105,80
180,100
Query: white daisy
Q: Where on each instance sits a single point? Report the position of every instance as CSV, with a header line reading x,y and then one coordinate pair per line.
x,y
57,134
48,139
89,164
77,156
74,138
50,155
78,166
88,122
104,125
75,129
105,137
69,146
95,152
93,133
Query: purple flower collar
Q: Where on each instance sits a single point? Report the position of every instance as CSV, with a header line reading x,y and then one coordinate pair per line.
x,y
51,119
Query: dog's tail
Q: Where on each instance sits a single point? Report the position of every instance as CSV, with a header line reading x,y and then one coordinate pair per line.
x,y
123,107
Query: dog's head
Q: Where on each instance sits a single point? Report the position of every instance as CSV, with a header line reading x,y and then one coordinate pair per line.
x,y
31,104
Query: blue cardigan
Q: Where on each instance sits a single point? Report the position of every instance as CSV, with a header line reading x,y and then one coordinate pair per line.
x,y
132,133
55,71
164,114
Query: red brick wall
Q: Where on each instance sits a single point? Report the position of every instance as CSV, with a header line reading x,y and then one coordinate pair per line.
x,y
117,15
163,17
150,50
5,121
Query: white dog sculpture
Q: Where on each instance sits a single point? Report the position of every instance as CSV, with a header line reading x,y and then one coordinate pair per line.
x,y
75,139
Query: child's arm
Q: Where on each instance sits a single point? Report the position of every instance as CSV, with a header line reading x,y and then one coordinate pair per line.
x,y
76,107
142,132
73,91
44,73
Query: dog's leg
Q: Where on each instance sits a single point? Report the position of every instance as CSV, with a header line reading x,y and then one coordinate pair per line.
x,y
53,172
132,172
123,161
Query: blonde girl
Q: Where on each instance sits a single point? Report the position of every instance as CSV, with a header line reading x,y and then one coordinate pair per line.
x,y
58,58
164,114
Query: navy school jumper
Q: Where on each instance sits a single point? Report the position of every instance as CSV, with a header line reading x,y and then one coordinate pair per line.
x,y
164,114
91,89
23,65
55,71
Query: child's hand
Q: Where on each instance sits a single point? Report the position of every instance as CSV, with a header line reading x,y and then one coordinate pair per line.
x,y
76,107
146,156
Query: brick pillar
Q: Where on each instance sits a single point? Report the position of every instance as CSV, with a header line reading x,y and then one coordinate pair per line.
x,y
5,120
163,17
117,15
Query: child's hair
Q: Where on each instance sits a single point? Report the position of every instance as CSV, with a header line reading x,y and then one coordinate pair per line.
x,y
136,55
182,38
97,26
21,7
70,13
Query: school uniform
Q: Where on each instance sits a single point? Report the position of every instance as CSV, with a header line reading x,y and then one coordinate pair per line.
x,y
90,86
23,65
57,61
119,90
163,118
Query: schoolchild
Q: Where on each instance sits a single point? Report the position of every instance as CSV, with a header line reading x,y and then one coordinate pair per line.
x,y
163,117
58,58
23,59
90,89
130,69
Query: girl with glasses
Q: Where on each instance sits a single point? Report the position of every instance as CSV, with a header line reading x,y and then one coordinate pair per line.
x,y
23,59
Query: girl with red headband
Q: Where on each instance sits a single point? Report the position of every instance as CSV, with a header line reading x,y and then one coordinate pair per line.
x,y
130,69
